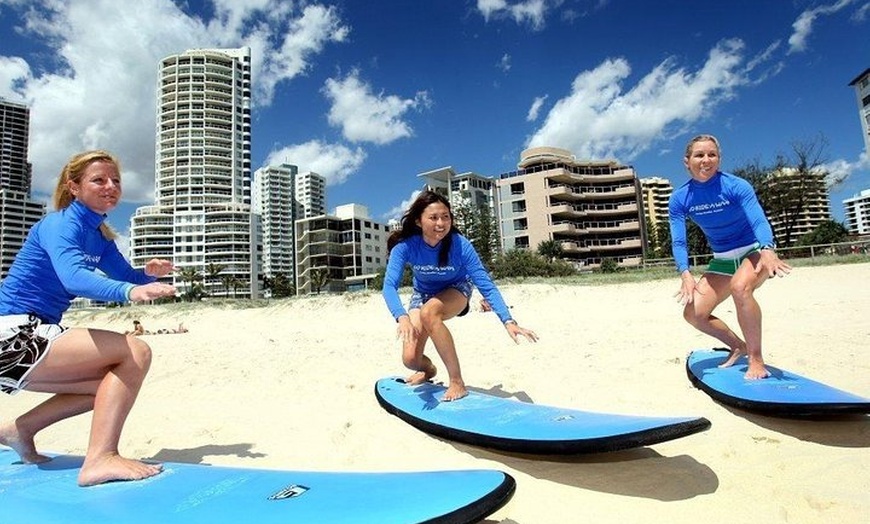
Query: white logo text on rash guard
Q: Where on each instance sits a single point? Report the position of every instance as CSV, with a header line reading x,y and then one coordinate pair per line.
x,y
703,209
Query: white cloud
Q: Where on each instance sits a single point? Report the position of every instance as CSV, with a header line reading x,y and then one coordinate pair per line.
x,y
535,110
394,215
531,12
504,63
803,26
336,162
598,120
97,84
364,116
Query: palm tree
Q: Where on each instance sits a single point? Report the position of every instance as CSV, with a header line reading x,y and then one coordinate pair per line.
x,y
319,279
191,277
212,270
550,249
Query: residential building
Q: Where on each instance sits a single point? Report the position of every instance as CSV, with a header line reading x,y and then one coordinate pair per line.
x,y
655,192
281,197
348,246
273,203
591,207
18,213
461,189
655,195
310,195
858,213
797,191
202,217
861,83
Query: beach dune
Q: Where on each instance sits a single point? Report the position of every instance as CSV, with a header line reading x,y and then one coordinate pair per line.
x,y
289,385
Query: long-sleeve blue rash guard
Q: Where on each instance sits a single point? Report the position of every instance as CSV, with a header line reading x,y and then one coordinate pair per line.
x,y
56,264
463,263
727,211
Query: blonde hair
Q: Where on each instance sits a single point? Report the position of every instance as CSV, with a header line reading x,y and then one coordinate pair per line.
x,y
702,138
73,172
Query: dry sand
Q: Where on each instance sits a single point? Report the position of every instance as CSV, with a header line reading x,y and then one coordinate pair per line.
x,y
290,386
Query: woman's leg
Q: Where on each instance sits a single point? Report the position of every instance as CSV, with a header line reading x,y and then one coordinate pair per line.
x,y
712,289
412,353
444,306
19,433
743,286
108,366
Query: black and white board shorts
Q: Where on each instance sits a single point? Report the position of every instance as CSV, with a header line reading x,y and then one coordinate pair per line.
x,y
24,342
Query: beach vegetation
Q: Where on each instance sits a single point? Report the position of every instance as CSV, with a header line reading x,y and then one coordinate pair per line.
x,y
319,279
550,249
279,285
478,225
524,263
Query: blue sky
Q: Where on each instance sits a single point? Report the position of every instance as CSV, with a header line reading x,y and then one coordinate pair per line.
x,y
369,94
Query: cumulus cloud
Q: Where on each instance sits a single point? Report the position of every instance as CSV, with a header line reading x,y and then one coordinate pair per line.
x,y
365,116
334,161
394,215
803,26
95,85
531,12
599,119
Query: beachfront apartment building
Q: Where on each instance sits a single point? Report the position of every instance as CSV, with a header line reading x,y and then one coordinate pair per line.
x,y
857,213
591,207
861,84
804,191
202,216
18,212
339,252
282,196
463,190
655,194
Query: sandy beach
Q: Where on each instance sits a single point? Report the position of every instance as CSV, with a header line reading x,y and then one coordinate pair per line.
x,y
289,385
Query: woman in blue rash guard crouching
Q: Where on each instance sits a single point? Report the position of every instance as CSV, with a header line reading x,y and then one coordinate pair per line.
x,y
85,369
445,267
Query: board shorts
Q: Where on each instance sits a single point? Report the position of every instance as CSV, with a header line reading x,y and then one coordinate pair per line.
x,y
24,342
728,262
465,287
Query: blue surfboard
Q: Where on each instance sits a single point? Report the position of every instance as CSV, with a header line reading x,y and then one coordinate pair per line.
x,y
521,427
186,493
783,393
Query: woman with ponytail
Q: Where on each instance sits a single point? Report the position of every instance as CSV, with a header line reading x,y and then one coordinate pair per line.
x,y
84,369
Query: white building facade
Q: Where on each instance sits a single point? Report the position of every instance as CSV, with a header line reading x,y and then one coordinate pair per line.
x,y
857,213
202,216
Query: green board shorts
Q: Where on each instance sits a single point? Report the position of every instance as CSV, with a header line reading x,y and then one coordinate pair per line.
x,y
728,266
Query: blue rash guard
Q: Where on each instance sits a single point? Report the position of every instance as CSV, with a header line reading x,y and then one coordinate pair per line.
x,y
726,209
463,263
57,263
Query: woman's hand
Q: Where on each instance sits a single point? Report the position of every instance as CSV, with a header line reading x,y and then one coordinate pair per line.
x,y
157,267
152,291
687,288
514,330
405,330
769,261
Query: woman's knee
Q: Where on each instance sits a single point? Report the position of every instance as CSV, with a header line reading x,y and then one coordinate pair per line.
x,y
430,316
140,352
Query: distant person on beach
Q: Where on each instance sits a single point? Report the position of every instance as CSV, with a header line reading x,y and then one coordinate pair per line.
x,y
84,368
139,329
727,210
445,268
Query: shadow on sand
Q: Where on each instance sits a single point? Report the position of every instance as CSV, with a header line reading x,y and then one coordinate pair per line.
x,y
198,454
841,431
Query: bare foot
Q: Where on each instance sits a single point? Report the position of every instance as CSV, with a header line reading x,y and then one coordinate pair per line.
x,y
455,391
23,445
733,357
756,370
421,376
115,467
